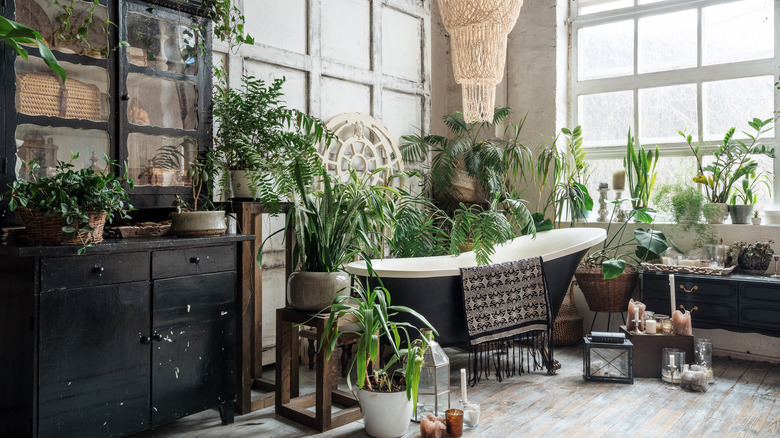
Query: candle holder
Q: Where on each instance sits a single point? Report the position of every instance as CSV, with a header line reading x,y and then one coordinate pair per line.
x,y
621,215
603,190
776,257
672,363
702,354
471,413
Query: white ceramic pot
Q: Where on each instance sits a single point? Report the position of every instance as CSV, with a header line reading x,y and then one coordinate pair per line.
x,y
198,223
756,220
716,212
314,291
241,184
385,414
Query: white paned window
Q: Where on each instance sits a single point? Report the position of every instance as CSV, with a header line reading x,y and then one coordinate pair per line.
x,y
659,66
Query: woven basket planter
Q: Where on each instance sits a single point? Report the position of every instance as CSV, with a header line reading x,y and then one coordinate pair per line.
x,y
567,329
45,230
606,295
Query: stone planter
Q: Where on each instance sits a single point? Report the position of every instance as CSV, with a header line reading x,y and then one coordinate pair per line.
x,y
314,291
740,213
198,223
751,264
715,213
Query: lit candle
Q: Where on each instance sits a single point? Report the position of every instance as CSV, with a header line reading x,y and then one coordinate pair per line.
x,y
619,180
650,326
671,293
463,386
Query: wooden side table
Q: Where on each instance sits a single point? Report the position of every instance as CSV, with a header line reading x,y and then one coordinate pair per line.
x,y
289,403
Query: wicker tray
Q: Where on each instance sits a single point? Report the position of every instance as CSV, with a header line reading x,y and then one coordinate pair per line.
x,y
688,269
44,94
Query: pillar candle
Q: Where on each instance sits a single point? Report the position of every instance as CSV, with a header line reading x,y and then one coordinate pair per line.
x,y
463,386
650,326
671,293
619,180
636,317
671,360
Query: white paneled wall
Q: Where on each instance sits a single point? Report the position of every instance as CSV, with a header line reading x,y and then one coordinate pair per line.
x,y
369,56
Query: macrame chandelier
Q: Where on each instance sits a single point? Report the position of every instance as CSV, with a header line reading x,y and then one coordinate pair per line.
x,y
479,31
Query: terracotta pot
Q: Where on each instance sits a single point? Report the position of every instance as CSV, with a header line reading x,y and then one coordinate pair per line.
x,y
314,291
198,223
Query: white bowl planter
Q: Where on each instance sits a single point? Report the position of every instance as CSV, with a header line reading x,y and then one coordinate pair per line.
x,y
198,223
385,414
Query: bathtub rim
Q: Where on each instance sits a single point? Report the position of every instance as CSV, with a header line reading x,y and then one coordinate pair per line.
x,y
593,237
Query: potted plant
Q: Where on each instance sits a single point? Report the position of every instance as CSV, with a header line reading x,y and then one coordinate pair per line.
x,y
387,394
608,275
468,163
640,172
744,197
756,219
200,217
572,190
258,139
71,206
752,258
732,162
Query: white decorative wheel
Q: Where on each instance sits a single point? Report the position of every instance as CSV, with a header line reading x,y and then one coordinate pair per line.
x,y
363,143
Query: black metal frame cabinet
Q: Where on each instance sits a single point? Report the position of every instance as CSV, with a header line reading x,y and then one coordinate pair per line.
x,y
132,335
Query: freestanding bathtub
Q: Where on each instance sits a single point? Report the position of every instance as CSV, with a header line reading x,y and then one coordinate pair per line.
x,y
432,285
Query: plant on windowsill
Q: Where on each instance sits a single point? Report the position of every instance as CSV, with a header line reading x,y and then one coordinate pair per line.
x,y
387,394
744,197
572,191
685,205
640,172
71,206
733,161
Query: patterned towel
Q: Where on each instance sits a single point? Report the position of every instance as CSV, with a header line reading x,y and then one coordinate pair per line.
x,y
508,316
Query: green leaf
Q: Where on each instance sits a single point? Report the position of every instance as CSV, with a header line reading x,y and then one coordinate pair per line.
x,y
612,268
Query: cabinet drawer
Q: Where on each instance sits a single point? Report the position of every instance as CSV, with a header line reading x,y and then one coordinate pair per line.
x,y
757,315
93,270
708,313
190,261
761,293
693,289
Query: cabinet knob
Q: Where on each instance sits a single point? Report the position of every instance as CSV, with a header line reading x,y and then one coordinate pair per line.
x,y
125,97
146,340
195,260
97,269
157,337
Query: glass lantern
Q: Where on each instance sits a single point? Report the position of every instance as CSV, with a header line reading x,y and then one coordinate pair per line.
x,y
702,353
672,365
607,361
434,381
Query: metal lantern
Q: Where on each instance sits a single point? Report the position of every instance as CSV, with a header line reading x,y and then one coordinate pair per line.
x,y
434,381
608,361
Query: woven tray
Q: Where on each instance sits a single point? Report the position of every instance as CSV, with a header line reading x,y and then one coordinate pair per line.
x,y
688,269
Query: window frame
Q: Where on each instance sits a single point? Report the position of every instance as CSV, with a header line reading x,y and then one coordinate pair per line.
x,y
694,75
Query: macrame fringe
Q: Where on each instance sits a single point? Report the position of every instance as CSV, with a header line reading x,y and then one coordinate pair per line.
x,y
506,358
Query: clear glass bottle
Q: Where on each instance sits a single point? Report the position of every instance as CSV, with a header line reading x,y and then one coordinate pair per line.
x,y
702,353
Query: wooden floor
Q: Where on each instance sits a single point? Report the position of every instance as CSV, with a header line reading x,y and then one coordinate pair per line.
x,y
744,401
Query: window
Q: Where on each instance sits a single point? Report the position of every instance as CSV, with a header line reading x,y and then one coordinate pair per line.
x,y
658,66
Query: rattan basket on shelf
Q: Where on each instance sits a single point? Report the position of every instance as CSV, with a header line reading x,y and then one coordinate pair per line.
x,y
44,94
43,230
606,295
567,329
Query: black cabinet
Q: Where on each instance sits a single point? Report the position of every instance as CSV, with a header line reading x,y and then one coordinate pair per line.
x,y
132,335
742,303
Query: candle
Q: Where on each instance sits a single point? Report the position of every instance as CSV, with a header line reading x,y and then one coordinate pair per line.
x,y
454,421
463,394
650,326
671,293
636,318
470,415
671,361
619,180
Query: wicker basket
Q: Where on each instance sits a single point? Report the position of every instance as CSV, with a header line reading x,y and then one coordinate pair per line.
x,y
43,230
606,295
567,329
44,94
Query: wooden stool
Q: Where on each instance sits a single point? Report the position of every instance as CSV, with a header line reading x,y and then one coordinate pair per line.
x,y
289,403
345,342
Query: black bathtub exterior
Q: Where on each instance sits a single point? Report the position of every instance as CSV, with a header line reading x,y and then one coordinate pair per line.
x,y
440,299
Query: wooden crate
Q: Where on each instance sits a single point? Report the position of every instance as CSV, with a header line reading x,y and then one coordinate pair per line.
x,y
648,348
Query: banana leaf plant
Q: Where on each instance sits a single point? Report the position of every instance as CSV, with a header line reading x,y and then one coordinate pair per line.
x,y
15,35
619,249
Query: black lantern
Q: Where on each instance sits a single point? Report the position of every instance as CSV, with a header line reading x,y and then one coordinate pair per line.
x,y
608,361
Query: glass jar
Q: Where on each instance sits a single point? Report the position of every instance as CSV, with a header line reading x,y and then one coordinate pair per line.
x,y
702,353
672,364
663,324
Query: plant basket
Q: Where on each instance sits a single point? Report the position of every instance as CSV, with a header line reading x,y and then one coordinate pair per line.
x,y
606,295
47,230
567,329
